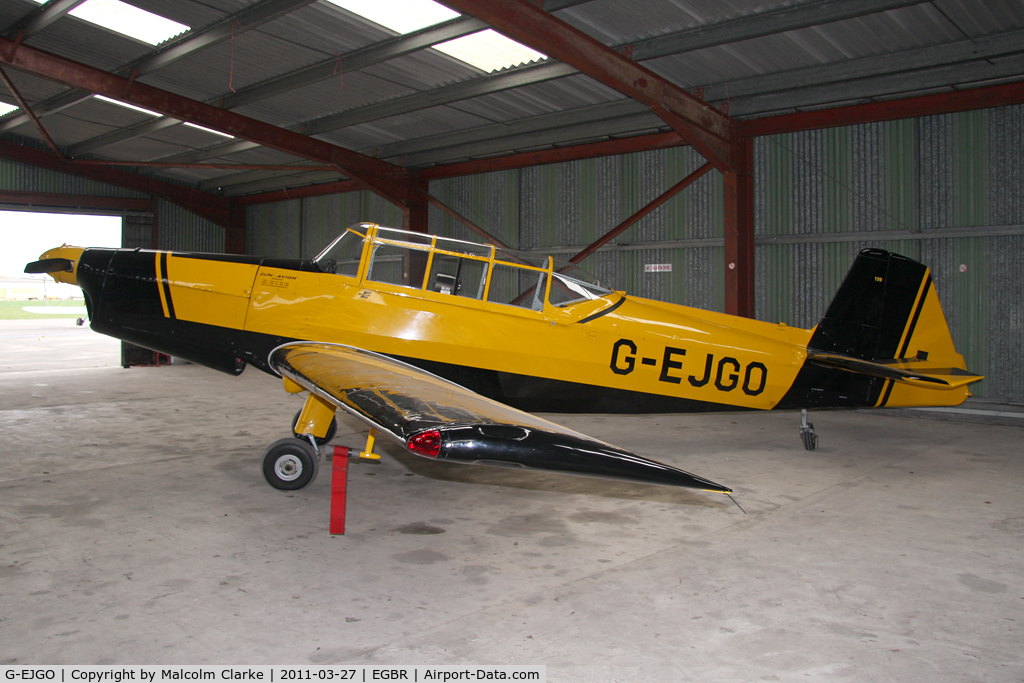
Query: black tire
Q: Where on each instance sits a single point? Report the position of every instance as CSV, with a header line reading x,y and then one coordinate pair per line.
x,y
320,440
290,464
810,438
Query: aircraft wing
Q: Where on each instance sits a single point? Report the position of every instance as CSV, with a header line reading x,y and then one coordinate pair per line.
x,y
916,371
438,419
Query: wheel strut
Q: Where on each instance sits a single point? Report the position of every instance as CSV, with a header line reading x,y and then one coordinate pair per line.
x,y
807,434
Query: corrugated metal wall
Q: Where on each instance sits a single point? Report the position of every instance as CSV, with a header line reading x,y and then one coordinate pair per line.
x,y
561,208
179,229
303,227
25,178
946,190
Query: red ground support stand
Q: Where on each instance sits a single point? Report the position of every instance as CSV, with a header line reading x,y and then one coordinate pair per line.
x,y
339,484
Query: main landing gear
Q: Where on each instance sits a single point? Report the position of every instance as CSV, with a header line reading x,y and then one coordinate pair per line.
x,y
290,464
807,434
293,463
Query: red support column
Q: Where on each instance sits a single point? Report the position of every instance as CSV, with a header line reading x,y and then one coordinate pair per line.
x,y
414,213
234,233
739,232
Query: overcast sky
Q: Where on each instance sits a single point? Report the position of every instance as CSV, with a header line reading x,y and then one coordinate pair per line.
x,y
26,235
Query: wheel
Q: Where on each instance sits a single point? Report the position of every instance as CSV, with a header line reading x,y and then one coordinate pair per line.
x,y
290,464
809,437
320,441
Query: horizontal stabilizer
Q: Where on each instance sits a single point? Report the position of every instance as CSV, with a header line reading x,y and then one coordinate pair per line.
x,y
914,371
51,265
438,419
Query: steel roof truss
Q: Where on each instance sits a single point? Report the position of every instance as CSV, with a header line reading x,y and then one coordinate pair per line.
x,y
706,128
39,18
246,19
387,180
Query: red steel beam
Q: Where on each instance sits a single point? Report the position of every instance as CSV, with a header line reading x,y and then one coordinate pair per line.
x,y
234,234
654,204
873,112
387,180
31,115
589,150
215,167
74,201
465,221
211,207
707,129
284,195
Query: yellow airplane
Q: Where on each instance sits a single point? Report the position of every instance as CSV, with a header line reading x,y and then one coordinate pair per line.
x,y
440,344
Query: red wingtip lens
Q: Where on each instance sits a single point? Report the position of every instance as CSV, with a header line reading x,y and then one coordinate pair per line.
x,y
426,443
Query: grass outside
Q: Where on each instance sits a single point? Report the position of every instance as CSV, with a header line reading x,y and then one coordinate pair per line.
x,y
14,310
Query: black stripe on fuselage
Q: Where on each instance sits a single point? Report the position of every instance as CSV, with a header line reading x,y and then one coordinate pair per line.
x,y
816,386
166,284
544,395
602,312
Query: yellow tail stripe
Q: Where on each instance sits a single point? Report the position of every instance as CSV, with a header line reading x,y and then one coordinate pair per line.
x,y
908,328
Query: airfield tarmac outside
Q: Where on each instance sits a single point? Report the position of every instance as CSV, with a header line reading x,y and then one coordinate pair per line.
x,y
136,527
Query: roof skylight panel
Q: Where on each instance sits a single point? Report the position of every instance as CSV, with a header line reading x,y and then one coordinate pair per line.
x,y
7,108
153,113
127,106
401,16
128,20
487,50
208,130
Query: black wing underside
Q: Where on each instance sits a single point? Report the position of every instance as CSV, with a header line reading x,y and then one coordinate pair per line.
x,y
436,418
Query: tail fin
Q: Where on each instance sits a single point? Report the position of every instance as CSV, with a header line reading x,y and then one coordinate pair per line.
x,y
875,312
886,321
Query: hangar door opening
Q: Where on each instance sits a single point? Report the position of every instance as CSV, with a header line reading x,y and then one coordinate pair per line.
x,y
43,323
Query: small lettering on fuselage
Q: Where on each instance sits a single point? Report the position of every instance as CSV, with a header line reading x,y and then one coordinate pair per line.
x,y
276,280
723,373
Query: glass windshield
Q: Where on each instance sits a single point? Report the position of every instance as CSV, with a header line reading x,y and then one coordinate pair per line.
x,y
570,284
343,254
566,290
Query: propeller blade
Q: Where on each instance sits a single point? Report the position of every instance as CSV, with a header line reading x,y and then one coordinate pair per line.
x,y
51,265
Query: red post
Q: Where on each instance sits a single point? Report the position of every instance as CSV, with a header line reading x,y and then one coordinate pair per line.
x,y
414,211
339,486
739,232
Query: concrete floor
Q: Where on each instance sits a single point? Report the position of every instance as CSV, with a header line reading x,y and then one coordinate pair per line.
x,y
135,527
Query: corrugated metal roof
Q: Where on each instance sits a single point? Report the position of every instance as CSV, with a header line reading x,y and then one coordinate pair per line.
x,y
81,41
339,93
424,93
618,22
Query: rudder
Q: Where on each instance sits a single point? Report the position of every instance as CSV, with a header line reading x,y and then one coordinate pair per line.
x,y
876,310
886,322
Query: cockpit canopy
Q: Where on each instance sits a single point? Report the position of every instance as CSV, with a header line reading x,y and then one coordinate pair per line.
x,y
456,267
